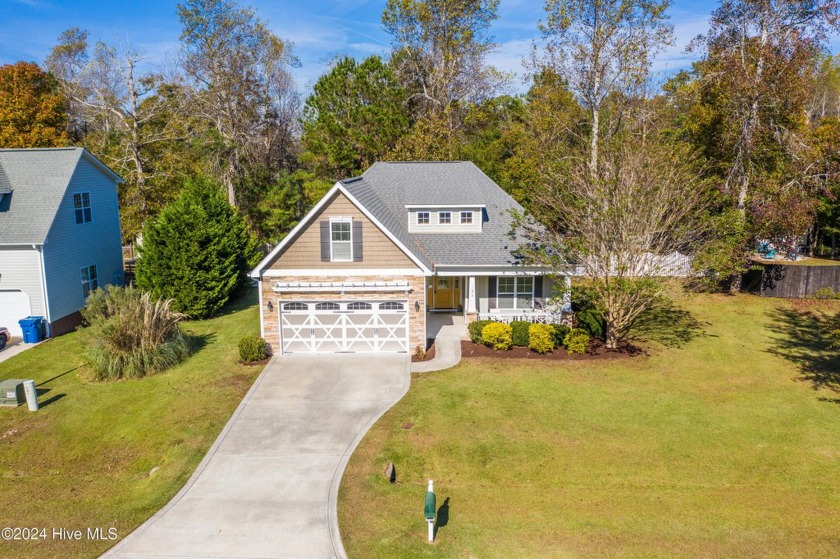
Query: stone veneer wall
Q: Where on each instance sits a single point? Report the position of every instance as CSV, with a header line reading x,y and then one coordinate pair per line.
x,y
416,294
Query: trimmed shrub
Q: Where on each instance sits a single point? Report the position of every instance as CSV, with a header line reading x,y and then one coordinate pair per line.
x,y
497,335
541,338
196,251
560,331
576,341
592,322
519,332
252,348
475,328
130,335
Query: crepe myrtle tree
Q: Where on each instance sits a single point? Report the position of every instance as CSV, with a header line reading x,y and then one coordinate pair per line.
x,y
646,201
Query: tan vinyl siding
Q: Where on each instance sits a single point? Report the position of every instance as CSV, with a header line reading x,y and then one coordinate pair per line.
x,y
378,251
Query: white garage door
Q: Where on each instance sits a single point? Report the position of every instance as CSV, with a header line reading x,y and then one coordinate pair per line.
x,y
14,305
344,326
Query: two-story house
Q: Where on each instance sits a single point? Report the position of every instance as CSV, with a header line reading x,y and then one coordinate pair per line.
x,y
59,234
378,252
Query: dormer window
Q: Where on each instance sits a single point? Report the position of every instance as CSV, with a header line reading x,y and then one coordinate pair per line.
x,y
444,218
466,218
423,218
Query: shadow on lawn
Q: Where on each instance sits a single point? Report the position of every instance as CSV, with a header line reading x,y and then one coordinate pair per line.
x,y
244,297
803,340
668,325
199,341
442,518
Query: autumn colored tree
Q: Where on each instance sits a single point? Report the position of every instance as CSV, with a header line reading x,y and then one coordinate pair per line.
x,y
751,96
32,109
240,72
131,118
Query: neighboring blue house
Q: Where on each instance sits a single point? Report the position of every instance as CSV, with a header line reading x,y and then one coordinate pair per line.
x,y
59,234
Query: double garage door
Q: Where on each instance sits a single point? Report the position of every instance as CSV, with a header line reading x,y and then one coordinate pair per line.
x,y
344,326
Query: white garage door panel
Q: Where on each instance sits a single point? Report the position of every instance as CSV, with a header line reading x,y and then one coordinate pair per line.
x,y
14,305
344,326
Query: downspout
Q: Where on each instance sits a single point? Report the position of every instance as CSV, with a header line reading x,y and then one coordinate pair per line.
x,y
44,296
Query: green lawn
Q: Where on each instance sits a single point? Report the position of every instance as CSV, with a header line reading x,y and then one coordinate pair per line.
x,y
84,460
726,447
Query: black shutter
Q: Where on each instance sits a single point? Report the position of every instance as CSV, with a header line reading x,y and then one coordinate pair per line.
x,y
325,241
491,292
357,241
538,292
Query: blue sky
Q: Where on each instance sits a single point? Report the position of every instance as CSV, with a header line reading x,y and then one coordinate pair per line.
x,y
320,29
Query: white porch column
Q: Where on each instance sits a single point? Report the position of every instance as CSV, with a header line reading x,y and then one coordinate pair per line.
x,y
471,298
567,294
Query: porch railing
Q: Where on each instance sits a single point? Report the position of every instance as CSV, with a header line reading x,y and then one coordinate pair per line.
x,y
537,317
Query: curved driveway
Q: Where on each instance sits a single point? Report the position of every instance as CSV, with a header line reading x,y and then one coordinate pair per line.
x,y
268,486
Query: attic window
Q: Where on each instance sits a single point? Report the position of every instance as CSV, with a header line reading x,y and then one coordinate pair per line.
x,y
466,218
423,218
81,203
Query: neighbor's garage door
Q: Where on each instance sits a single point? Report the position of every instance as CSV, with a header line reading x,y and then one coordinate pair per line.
x,y
14,305
344,326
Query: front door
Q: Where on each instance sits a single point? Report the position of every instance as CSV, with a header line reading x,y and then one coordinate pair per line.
x,y
444,292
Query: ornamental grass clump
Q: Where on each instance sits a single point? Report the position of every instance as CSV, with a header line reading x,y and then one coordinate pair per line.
x,y
541,338
497,335
129,335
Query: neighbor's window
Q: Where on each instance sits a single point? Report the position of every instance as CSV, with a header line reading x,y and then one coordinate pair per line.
x,y
516,293
89,280
423,218
341,241
81,203
444,218
466,218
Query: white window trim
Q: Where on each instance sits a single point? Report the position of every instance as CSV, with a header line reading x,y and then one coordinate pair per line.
x,y
516,293
428,218
461,217
444,212
332,242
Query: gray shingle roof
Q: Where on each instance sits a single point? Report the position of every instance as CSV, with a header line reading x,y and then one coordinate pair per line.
x,y
386,188
38,179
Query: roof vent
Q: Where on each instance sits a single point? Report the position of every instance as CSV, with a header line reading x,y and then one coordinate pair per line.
x,y
5,185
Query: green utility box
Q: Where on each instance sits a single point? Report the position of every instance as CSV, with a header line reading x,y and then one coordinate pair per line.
x,y
11,392
430,508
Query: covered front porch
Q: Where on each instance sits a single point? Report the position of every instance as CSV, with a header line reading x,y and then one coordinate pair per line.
x,y
502,295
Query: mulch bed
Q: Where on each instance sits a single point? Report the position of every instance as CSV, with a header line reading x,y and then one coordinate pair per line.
x,y
596,350
255,363
430,354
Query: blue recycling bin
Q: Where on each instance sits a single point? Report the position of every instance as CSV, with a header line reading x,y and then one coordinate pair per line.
x,y
31,326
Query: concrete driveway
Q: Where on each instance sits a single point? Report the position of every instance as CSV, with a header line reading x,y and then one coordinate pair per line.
x,y
268,486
